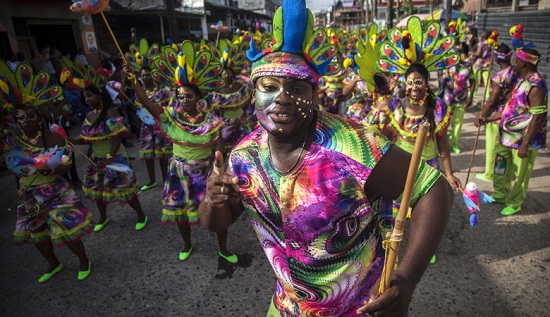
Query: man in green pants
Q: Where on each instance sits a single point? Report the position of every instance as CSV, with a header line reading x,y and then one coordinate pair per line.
x,y
522,132
501,86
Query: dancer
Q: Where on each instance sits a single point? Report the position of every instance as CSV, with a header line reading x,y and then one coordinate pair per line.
x,y
312,215
522,131
234,97
482,61
501,86
458,92
104,129
195,134
48,211
153,145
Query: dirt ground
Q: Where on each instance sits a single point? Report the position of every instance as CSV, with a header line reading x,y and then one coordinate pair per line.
x,y
501,268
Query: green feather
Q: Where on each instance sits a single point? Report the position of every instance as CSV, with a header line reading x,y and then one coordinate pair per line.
x,y
278,29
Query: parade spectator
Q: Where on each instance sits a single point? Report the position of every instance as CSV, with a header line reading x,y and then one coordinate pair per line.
x,y
80,56
522,130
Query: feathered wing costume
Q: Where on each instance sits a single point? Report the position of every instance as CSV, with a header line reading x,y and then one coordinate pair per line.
x,y
402,48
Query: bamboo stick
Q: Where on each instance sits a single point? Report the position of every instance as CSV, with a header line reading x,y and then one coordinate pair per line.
x,y
399,226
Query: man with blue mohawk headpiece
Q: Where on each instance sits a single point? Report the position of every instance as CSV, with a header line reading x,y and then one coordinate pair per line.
x,y
307,180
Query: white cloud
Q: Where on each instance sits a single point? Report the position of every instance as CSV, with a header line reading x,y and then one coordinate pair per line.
x,y
318,5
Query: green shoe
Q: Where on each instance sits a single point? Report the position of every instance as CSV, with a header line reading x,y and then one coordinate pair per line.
x,y
100,226
456,150
84,274
484,178
433,259
141,225
147,187
47,276
185,255
231,258
508,211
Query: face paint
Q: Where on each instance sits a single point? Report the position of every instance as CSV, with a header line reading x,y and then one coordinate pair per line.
x,y
264,99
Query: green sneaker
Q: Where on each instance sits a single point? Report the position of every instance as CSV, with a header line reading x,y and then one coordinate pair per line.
x,y
433,259
455,149
509,210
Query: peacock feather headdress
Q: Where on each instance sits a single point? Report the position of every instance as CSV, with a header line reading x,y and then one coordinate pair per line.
x,y
368,43
416,44
231,55
293,33
142,55
460,30
80,76
25,87
187,67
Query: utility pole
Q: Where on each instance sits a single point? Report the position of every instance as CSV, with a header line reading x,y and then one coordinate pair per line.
x,y
449,6
389,14
172,21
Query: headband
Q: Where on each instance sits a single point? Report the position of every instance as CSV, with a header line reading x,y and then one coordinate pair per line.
x,y
528,58
502,56
283,64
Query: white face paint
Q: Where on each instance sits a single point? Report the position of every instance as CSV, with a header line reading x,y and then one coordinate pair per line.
x,y
264,99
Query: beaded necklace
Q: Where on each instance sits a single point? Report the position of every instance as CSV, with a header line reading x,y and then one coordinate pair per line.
x,y
191,118
29,140
421,103
381,98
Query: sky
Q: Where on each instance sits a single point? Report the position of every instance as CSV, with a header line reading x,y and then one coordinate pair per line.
x,y
318,5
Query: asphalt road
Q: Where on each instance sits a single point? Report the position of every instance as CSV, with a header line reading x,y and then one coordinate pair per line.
x,y
500,268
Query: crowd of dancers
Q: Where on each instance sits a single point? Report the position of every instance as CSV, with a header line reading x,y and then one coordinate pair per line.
x,y
194,99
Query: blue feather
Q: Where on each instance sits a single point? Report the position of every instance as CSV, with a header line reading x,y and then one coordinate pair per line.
x,y
470,204
485,198
295,18
118,167
474,220
252,53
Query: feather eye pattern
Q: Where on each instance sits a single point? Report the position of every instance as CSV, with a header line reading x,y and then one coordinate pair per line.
x,y
318,52
24,86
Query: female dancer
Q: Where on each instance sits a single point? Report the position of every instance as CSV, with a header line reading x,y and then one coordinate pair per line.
x,y
104,129
48,210
195,134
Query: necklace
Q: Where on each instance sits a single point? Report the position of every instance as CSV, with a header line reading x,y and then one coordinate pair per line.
x,y
421,103
295,163
191,118
381,98
34,140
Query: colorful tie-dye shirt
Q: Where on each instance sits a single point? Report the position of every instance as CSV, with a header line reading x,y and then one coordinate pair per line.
x,y
316,225
456,81
516,118
506,79
484,62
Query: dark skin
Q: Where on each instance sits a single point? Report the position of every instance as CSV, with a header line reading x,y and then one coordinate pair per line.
x,y
536,98
149,84
95,101
189,99
496,91
221,207
28,120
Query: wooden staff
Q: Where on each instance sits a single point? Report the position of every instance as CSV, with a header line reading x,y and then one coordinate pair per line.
x,y
113,36
482,104
82,153
399,226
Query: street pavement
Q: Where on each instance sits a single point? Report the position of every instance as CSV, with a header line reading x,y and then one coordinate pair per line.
x,y
500,268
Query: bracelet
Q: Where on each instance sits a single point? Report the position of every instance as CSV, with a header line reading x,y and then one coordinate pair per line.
x,y
109,156
132,78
